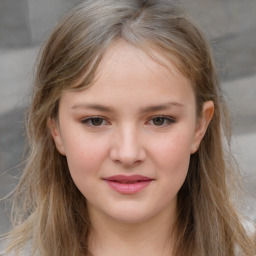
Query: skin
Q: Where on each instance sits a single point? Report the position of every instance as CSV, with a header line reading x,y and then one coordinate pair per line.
x,y
146,124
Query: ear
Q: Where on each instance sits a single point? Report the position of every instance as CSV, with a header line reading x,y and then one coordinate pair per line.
x,y
55,132
202,124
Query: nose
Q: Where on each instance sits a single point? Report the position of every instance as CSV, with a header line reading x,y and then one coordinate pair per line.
x,y
127,147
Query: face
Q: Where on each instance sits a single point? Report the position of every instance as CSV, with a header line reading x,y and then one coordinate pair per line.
x,y
128,138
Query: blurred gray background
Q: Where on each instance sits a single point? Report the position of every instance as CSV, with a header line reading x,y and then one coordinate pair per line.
x,y
229,24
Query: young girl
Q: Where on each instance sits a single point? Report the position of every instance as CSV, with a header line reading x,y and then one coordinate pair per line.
x,y
125,133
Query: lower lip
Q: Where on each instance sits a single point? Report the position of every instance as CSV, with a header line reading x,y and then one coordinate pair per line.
x,y
128,188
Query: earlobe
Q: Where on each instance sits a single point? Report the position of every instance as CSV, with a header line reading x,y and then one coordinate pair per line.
x,y
55,132
202,124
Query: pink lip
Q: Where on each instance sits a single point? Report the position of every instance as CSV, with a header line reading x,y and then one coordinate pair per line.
x,y
128,184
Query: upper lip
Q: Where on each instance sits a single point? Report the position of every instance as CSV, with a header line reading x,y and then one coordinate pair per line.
x,y
130,178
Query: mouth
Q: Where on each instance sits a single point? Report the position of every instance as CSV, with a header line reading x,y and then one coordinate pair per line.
x,y
128,184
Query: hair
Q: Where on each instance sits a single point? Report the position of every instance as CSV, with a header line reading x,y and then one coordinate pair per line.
x,y
50,215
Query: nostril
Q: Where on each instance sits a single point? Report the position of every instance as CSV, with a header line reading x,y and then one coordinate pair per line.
x,y
127,158
127,149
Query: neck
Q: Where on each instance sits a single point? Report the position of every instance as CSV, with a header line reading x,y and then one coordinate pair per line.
x,y
153,236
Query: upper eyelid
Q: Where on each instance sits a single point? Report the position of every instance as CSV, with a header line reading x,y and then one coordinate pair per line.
x,y
92,117
151,117
87,119
163,116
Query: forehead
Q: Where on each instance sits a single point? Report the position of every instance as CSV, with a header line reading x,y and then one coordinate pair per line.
x,y
127,76
122,54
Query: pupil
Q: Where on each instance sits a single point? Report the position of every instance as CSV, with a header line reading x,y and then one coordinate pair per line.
x,y
158,121
96,121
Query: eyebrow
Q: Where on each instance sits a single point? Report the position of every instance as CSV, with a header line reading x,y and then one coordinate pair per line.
x,y
160,107
93,106
152,108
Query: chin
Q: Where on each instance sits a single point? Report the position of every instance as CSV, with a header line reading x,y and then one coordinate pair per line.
x,y
130,215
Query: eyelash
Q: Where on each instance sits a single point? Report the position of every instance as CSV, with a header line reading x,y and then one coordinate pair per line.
x,y
88,121
102,121
167,120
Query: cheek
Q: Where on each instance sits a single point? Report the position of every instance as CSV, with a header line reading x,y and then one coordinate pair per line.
x,y
176,155
85,157
173,149
172,158
85,154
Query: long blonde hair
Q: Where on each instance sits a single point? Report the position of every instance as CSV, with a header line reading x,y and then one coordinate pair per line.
x,y
50,215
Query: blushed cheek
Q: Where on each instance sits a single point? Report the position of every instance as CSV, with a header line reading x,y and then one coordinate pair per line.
x,y
85,156
82,166
175,172
176,156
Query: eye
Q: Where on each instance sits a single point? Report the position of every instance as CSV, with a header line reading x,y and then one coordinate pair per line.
x,y
161,120
94,121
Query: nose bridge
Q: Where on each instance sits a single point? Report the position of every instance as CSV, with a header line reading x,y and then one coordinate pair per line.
x,y
127,147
